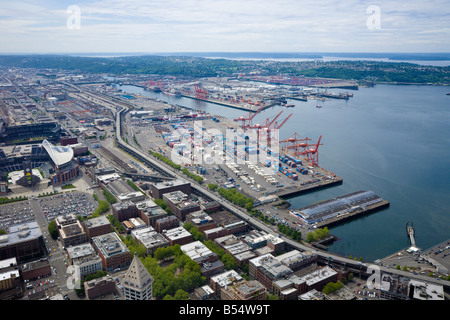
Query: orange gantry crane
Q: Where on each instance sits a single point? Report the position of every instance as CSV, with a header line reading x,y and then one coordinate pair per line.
x,y
200,93
247,120
312,154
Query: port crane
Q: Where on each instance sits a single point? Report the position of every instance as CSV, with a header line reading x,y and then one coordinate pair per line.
x,y
267,124
152,84
312,154
247,120
299,147
289,142
269,131
265,127
200,93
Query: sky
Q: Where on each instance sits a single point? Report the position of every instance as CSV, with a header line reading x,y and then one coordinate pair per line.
x,y
147,26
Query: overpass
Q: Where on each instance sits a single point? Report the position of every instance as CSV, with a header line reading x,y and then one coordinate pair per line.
x,y
147,177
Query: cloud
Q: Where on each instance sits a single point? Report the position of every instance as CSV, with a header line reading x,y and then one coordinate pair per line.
x,y
224,25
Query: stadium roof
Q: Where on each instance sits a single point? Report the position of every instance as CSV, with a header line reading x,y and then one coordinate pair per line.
x,y
59,155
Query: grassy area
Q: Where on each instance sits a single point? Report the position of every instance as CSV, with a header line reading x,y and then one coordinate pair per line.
x,y
68,186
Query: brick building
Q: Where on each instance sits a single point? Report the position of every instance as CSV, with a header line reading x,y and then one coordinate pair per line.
x,y
158,189
112,251
96,227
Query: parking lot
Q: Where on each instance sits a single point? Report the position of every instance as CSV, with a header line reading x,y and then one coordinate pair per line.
x,y
77,203
15,213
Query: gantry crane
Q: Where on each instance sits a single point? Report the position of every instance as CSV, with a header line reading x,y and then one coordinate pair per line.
x,y
312,154
247,120
200,93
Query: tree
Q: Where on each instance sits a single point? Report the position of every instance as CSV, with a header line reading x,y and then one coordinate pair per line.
x,y
332,287
212,186
310,237
181,295
53,230
228,261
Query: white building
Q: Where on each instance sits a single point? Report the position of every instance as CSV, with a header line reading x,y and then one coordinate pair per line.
x,y
137,283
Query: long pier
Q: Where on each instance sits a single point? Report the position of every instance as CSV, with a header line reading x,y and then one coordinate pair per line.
x,y
410,233
357,213
227,104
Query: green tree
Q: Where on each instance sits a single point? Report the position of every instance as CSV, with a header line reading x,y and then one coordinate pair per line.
x,y
53,230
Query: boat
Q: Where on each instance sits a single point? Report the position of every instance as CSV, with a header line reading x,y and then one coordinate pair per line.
x,y
290,105
318,106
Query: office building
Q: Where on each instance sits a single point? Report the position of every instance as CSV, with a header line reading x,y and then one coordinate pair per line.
x,y
137,283
113,252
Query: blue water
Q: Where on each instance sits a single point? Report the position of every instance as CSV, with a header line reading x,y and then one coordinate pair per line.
x,y
393,140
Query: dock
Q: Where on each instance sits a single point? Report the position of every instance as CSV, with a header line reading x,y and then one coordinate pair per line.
x,y
298,98
229,105
340,209
358,213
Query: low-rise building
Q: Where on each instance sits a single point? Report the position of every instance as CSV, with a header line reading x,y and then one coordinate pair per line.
x,y
240,250
318,279
180,204
9,274
296,260
223,280
96,226
211,234
124,210
158,189
166,223
207,259
149,238
85,258
99,287
24,241
70,230
36,269
244,290
201,220
178,235
150,212
267,269
259,239
113,252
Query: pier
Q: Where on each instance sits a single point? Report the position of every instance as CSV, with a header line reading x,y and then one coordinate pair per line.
x,y
229,105
410,233
340,209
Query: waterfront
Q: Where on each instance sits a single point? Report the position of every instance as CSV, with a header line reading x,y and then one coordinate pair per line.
x,y
390,139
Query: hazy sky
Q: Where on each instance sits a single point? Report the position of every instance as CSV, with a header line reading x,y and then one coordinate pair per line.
x,y
47,26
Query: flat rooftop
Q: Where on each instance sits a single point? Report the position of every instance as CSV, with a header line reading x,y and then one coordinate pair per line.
x,y
110,244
